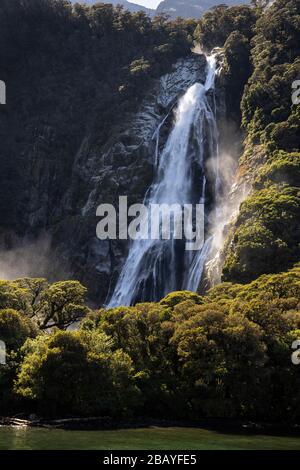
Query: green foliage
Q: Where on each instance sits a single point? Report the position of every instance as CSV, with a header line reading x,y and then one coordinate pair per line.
x,y
187,357
72,71
275,57
61,304
222,360
15,328
272,302
76,373
283,168
267,236
138,332
285,135
236,71
216,25
139,68
232,29
49,305
13,296
171,300
267,286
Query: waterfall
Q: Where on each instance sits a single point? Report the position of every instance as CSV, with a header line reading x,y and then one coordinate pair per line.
x,y
156,267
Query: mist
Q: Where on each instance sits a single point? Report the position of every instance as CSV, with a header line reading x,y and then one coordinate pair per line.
x,y
31,258
233,193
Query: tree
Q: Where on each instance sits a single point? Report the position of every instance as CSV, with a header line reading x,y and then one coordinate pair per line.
x,y
34,288
143,333
217,24
174,298
267,234
12,295
15,328
222,360
61,304
77,373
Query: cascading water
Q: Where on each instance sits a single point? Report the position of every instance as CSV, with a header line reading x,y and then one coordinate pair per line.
x,y
156,267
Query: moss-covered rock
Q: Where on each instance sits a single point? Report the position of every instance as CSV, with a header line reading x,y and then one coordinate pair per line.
x,y
267,234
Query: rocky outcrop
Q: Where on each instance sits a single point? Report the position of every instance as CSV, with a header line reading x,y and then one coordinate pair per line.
x,y
62,193
123,166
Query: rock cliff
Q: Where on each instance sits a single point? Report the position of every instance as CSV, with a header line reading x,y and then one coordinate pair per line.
x,y
58,197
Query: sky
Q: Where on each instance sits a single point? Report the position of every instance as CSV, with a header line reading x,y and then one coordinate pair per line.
x,y
147,3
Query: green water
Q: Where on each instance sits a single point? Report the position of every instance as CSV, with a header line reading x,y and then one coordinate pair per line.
x,y
135,439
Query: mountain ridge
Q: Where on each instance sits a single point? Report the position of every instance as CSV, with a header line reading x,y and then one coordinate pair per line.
x,y
130,6
173,8
192,8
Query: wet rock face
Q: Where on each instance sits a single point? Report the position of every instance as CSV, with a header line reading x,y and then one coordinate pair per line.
x,y
121,167
63,195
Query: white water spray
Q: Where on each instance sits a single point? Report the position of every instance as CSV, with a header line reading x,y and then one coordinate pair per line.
x,y
156,267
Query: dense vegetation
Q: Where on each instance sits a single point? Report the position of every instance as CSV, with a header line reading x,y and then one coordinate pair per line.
x,y
72,70
225,354
266,237
186,357
261,49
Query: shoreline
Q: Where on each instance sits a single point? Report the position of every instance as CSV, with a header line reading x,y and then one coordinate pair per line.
x,y
246,427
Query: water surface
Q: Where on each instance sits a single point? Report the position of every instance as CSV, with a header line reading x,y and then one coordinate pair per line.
x,y
152,438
